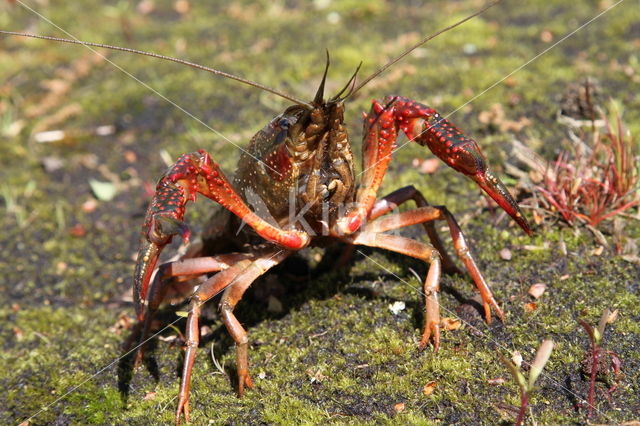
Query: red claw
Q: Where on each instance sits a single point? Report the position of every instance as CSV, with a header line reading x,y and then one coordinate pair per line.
x,y
496,190
148,255
427,127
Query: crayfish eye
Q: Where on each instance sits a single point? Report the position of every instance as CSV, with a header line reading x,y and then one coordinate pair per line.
x,y
283,123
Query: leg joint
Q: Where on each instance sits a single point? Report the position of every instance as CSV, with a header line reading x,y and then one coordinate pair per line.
x,y
190,344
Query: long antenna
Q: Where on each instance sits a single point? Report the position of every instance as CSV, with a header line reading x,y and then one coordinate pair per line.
x,y
166,58
420,43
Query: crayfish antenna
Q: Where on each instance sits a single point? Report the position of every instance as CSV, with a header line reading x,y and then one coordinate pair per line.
x,y
418,44
319,98
164,58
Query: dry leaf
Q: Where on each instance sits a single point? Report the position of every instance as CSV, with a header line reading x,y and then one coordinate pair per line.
x,y
149,396
429,388
399,407
428,166
631,258
316,377
450,323
530,307
612,317
537,217
537,290
124,322
496,381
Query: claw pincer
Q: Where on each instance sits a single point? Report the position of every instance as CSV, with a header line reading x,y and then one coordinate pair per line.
x,y
446,141
163,220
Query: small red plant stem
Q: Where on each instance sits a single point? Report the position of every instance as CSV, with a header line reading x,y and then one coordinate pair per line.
x,y
524,403
592,379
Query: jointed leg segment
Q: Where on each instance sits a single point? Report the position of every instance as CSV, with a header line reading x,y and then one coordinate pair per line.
x,y
431,286
236,279
426,215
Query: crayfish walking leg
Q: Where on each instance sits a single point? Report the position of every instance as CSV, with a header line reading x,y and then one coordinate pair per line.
x,y
235,280
426,127
426,214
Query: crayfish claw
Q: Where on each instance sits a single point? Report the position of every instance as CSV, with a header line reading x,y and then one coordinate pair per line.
x,y
160,229
163,227
148,255
494,187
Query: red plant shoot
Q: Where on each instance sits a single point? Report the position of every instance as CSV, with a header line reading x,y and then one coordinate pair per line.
x,y
593,183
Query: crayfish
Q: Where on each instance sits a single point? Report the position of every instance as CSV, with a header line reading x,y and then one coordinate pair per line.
x,y
295,187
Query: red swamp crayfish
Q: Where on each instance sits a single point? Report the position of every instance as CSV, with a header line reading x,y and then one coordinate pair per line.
x,y
298,175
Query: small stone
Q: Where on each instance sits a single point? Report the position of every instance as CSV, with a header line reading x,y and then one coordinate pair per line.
x,y
469,49
334,18
516,357
52,163
89,206
130,156
61,267
397,307
505,254
182,6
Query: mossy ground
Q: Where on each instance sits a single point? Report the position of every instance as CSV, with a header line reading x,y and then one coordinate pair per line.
x,y
62,294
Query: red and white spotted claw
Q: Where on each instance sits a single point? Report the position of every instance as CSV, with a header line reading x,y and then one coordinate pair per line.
x,y
163,220
427,127
192,174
